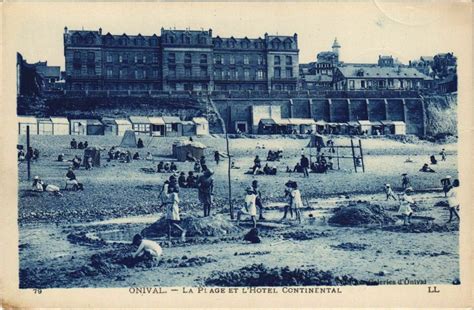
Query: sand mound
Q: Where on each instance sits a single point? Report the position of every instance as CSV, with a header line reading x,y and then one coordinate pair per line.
x,y
349,246
260,275
215,226
360,213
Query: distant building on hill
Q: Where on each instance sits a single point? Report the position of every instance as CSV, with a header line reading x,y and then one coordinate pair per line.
x,y
374,77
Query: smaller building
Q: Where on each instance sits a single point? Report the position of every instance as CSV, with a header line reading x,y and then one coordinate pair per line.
x,y
78,127
202,126
122,126
95,127
157,126
393,127
110,126
60,125
373,77
24,122
50,74
267,126
173,126
182,149
189,128
45,126
140,124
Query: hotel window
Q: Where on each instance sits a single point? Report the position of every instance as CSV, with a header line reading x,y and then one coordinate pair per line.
x,y
203,59
289,72
187,58
260,74
109,73
155,59
90,56
246,60
289,60
136,74
218,59
232,60
172,71
218,74
362,84
171,58
144,59
233,74
260,60
246,74
351,84
91,70
277,72
276,61
390,83
203,71
109,57
120,58
187,71
155,73
144,73
135,59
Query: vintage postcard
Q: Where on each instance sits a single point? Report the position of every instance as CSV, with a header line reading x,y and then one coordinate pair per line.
x,y
236,154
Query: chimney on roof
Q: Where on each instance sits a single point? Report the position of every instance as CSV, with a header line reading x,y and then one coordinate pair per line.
x,y
210,32
100,31
65,29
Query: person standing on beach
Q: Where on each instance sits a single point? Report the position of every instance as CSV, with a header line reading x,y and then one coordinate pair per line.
x,y
304,162
205,186
443,155
258,199
171,201
453,201
296,201
446,183
217,157
405,181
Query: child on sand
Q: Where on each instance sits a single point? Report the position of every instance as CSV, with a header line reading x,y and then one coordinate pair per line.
x,y
389,192
171,200
453,201
296,201
405,206
250,207
146,247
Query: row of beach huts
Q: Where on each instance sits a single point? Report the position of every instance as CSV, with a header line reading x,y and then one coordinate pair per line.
x,y
168,126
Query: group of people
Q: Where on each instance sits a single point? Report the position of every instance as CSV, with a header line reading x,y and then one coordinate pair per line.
x,y
257,169
166,167
275,155
31,153
81,145
115,153
450,190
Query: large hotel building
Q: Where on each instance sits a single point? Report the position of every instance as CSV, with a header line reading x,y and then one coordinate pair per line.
x,y
181,60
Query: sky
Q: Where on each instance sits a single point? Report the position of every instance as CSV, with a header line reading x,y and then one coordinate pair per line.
x,y
365,30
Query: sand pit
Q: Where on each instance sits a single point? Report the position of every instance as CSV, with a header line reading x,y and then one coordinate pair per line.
x,y
213,226
423,227
304,235
360,213
260,275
